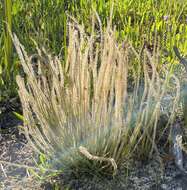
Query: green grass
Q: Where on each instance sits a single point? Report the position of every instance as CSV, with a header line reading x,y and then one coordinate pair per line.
x,y
6,62
45,22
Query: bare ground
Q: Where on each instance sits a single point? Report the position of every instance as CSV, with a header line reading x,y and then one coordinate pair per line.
x,y
13,149
144,176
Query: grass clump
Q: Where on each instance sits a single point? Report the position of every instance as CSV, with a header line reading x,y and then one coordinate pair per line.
x,y
97,110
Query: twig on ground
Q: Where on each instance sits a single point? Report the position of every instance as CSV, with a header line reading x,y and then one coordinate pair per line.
x,y
85,152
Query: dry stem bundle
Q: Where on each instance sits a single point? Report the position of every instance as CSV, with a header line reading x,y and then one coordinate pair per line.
x,y
87,102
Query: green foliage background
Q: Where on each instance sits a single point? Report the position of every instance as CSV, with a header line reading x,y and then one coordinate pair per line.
x,y
44,21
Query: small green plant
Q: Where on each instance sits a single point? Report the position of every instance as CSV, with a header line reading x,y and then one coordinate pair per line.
x,y
98,110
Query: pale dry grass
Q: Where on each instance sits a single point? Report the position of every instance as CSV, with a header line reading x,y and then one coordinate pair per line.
x,y
106,100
